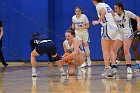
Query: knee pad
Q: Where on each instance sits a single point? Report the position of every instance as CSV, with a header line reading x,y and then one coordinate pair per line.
x,y
56,58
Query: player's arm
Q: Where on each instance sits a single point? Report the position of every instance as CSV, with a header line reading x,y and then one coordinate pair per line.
x,y
32,44
1,32
64,46
102,12
73,25
113,14
132,15
75,52
138,22
86,26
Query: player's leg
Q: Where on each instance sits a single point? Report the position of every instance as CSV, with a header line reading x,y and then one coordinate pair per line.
x,y
86,47
34,62
120,55
106,56
127,43
58,62
135,44
113,58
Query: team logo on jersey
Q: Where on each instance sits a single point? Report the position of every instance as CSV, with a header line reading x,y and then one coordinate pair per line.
x,y
36,41
121,21
79,24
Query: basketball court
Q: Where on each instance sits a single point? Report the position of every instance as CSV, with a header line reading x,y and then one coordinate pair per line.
x,y
17,79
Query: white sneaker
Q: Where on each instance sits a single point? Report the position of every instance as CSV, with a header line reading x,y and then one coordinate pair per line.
x,y
89,62
106,72
129,70
114,71
34,74
63,73
83,65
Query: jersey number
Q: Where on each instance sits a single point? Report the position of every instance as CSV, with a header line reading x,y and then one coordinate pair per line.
x,y
121,25
108,9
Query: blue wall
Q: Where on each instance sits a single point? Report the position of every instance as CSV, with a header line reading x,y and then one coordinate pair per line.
x,y
51,17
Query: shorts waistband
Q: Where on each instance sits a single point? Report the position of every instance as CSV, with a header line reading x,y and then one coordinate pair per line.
x,y
45,41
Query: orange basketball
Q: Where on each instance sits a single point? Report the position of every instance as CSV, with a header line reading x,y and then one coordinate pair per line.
x,y
68,60
71,68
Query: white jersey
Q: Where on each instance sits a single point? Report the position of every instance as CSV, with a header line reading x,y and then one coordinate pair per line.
x,y
79,22
124,22
108,19
70,48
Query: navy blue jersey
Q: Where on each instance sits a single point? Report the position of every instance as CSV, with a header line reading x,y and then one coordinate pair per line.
x,y
35,41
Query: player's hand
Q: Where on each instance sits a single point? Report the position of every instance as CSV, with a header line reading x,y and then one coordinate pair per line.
x,y
64,59
62,62
95,22
51,66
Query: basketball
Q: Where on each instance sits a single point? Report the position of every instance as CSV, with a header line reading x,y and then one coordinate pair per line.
x,y
71,68
68,60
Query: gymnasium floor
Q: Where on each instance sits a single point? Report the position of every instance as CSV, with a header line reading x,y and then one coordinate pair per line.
x,y
17,79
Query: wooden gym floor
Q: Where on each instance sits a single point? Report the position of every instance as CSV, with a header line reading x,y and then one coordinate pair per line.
x,y
17,79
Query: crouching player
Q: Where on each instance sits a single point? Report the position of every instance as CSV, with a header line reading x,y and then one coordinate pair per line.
x,y
42,45
71,45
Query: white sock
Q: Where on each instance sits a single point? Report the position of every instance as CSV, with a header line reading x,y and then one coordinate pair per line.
x,y
88,59
87,51
137,62
107,67
33,69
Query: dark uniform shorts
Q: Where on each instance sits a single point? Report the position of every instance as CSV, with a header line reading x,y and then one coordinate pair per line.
x,y
46,48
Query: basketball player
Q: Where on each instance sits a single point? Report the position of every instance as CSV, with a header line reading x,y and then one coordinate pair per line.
x,y
108,34
122,18
42,45
1,54
72,45
135,43
81,25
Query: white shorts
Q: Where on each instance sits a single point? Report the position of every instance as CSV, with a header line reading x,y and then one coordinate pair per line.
x,y
84,36
109,32
122,36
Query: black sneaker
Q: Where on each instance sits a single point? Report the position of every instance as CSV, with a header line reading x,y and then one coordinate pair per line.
x,y
5,65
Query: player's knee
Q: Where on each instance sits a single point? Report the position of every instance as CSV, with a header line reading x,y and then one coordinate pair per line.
x,y
33,54
56,58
